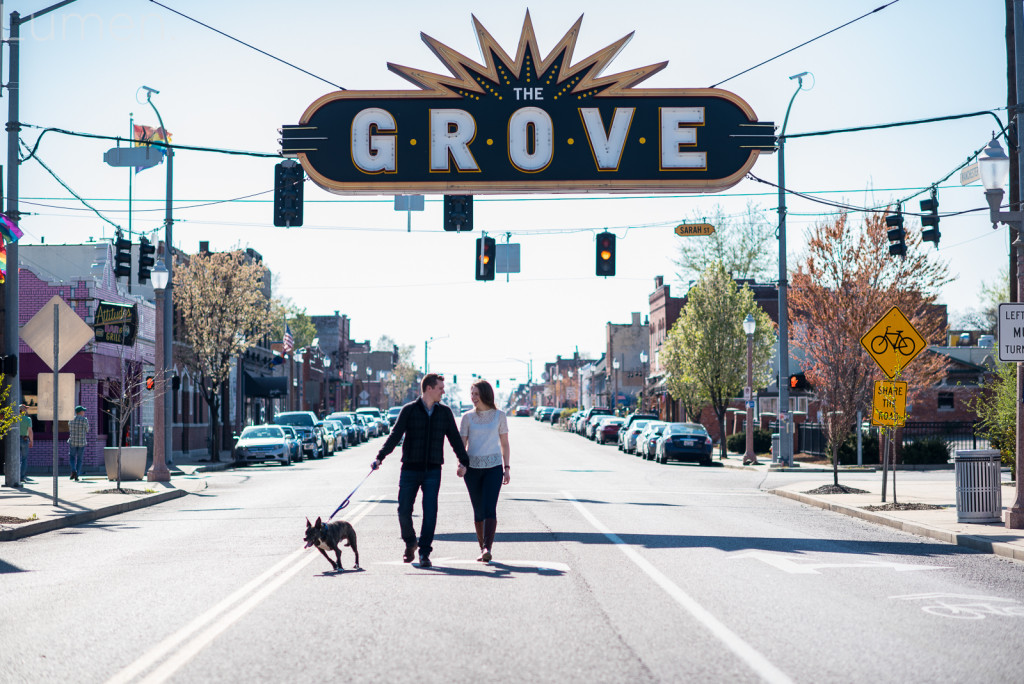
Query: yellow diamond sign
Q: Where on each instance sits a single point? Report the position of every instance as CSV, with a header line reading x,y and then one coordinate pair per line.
x,y
893,342
889,406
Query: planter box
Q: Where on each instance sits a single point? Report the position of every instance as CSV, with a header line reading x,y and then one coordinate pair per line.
x,y
133,463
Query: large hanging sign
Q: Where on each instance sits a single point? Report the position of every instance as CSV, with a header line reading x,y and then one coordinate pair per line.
x,y
529,124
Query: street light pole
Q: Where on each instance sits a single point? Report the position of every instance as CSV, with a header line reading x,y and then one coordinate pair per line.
x,y
158,472
785,436
643,379
168,299
749,325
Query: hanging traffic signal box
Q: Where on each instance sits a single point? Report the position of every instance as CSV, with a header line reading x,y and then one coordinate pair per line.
x,y
458,212
897,236
930,220
146,260
122,257
150,382
798,382
605,256
484,262
288,181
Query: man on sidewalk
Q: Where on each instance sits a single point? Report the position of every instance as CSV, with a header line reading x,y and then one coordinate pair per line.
x,y
27,441
79,437
425,423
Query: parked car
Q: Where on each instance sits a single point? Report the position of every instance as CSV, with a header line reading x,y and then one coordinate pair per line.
x,y
393,415
552,416
589,428
330,441
305,423
633,417
380,424
629,433
588,414
340,434
348,424
684,442
608,429
369,425
259,443
539,413
648,439
523,411
294,442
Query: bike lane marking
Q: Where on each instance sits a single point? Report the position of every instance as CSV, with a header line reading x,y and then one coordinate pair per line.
x,y
205,626
747,653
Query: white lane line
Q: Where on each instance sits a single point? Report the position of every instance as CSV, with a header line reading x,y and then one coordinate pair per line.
x,y
757,662
271,580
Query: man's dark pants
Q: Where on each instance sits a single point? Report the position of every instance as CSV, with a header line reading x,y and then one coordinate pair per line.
x,y
409,482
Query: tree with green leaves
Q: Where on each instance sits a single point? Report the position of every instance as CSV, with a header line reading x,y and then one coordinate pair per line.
x,y
997,409
706,351
224,311
743,243
300,323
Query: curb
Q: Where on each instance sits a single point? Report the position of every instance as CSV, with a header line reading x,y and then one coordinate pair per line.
x,y
969,541
800,469
72,519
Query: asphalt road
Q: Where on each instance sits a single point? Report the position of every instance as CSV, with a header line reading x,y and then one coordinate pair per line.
x,y
607,569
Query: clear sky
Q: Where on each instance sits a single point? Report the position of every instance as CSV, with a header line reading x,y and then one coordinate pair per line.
x,y
82,66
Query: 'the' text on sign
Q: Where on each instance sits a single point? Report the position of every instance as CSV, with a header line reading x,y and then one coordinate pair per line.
x,y
889,404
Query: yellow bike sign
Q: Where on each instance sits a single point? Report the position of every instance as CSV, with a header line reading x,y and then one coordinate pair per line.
x,y
893,342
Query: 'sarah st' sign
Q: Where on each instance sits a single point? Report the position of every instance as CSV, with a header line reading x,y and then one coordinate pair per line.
x,y
531,123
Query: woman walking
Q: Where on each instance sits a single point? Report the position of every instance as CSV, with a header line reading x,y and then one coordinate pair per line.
x,y
485,432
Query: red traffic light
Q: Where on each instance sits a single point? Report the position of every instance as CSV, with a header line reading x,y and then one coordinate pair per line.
x,y
150,382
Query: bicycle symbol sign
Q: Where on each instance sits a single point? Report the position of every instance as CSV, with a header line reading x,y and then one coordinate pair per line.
x,y
893,342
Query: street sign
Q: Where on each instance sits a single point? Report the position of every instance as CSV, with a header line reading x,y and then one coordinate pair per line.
x,y
139,157
408,202
65,396
687,229
524,122
893,342
38,333
1011,332
116,323
889,405
970,174
506,258
750,404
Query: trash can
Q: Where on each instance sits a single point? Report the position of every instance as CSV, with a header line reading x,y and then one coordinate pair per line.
x,y
979,497
776,449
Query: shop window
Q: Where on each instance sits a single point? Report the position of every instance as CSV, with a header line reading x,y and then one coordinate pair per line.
x,y
945,402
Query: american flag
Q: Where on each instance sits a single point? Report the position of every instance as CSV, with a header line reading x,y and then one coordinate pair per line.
x,y
289,341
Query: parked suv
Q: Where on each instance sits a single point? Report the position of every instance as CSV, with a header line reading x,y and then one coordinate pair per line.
x,y
305,422
588,414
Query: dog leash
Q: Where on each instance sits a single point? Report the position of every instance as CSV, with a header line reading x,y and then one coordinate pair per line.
x,y
349,497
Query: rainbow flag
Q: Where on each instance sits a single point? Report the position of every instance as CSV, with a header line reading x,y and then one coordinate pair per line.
x,y
144,135
3,261
9,229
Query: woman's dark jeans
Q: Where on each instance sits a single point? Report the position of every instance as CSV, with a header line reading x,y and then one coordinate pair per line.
x,y
484,485
409,482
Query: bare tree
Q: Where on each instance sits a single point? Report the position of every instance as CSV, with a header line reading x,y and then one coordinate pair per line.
x,y
844,284
124,396
742,243
221,299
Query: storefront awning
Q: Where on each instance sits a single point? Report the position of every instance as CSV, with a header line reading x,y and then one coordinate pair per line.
x,y
265,386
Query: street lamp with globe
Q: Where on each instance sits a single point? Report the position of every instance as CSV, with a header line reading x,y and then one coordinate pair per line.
x,y
643,379
158,472
749,326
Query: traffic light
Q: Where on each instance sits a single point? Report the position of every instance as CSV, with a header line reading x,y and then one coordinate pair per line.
x,y
458,212
930,220
150,382
175,382
484,261
146,260
288,181
605,254
799,382
122,257
897,236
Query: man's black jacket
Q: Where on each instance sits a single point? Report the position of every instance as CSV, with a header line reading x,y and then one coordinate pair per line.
x,y
424,436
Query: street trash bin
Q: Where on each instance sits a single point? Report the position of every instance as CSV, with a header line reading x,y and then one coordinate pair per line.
x,y
979,497
776,449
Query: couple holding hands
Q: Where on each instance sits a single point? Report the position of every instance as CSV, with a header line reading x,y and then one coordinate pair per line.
x,y
480,444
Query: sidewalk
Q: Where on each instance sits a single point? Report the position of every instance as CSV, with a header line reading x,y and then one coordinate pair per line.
x,y
29,509
936,523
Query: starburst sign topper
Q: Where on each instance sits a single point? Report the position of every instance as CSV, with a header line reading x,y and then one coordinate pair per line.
x,y
529,124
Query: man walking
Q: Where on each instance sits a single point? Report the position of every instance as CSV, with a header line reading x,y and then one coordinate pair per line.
x,y
425,423
79,429
28,439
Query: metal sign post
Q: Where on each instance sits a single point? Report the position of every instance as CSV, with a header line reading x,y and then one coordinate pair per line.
x,y
56,367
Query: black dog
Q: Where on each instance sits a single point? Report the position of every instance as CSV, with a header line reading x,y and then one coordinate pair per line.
x,y
327,537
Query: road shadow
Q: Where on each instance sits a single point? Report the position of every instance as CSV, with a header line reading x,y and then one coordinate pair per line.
x,y
794,545
6,568
493,570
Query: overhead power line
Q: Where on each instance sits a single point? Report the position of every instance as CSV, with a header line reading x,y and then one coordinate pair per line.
x,y
154,143
242,42
68,188
807,42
